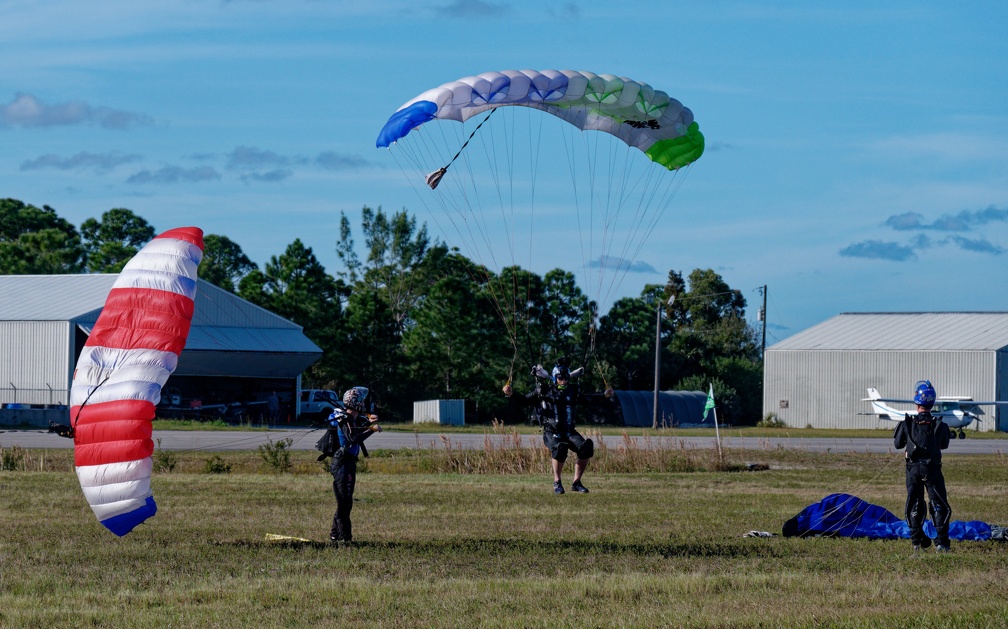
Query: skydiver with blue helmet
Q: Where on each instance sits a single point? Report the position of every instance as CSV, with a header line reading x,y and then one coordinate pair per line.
x,y
352,426
556,407
924,437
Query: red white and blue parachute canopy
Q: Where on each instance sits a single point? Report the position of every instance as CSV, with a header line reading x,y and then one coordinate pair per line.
x,y
132,350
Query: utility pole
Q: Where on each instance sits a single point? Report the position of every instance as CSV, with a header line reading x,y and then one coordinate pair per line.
x,y
657,364
762,317
657,359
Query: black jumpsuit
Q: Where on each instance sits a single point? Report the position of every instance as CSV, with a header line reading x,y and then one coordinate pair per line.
x,y
924,437
557,411
352,433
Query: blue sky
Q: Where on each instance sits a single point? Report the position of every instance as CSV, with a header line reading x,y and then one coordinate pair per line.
x,y
857,153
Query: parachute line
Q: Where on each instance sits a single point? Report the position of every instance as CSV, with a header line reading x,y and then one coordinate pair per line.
x,y
623,173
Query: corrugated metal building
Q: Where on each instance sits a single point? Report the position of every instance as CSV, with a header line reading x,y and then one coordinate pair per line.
x,y
818,377
236,351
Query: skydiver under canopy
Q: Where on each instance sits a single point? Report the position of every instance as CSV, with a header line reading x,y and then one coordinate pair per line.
x,y
555,400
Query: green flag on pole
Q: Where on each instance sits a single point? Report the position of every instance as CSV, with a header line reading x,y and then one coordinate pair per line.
x,y
710,402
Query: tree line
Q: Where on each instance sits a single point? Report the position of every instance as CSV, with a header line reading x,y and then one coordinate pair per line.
x,y
414,319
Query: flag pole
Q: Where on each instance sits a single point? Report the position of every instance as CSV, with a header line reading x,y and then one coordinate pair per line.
x,y
710,406
717,435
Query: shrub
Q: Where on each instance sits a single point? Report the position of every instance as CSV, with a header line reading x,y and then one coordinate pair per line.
x,y
11,458
277,455
164,460
216,465
770,420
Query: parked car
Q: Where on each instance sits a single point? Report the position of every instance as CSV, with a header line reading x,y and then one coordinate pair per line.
x,y
317,404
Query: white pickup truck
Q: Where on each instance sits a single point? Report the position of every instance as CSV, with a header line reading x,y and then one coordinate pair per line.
x,y
317,404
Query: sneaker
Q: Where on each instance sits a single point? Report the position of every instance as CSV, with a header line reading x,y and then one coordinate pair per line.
x,y
578,487
333,541
557,487
941,548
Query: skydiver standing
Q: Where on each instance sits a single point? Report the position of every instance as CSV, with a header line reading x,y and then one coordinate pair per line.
x,y
556,407
924,437
352,426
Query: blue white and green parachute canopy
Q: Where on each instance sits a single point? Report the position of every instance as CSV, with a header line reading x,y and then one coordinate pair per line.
x,y
636,113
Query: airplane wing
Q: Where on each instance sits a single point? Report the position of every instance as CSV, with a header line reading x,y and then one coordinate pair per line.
x,y
887,400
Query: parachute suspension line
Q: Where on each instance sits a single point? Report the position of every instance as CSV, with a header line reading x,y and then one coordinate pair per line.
x,y
647,225
473,227
504,299
567,133
898,456
434,178
454,205
601,373
615,198
73,427
535,149
633,221
591,155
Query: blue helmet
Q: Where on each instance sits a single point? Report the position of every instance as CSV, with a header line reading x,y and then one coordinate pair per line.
x,y
561,371
924,394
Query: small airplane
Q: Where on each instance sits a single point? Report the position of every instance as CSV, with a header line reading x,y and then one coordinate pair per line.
x,y
957,412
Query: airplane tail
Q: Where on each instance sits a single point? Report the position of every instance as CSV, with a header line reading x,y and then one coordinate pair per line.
x,y
879,408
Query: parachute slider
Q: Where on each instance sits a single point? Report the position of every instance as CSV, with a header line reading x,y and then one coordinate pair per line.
x,y
434,178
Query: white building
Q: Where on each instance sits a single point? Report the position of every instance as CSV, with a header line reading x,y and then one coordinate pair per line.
x,y
818,377
236,351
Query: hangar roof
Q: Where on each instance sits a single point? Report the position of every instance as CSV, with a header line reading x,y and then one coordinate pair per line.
x,y
221,322
931,331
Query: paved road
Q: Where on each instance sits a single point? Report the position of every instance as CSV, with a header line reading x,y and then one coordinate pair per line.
x,y
304,439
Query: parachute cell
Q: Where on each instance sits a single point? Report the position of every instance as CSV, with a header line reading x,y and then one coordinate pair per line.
x,y
639,115
132,350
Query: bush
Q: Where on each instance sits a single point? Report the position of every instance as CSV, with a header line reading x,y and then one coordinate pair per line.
x,y
216,465
164,460
277,455
770,420
11,458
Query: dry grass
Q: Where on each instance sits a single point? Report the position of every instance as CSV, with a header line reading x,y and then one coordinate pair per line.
x,y
494,548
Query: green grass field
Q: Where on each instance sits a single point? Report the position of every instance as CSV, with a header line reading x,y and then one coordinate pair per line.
x,y
646,548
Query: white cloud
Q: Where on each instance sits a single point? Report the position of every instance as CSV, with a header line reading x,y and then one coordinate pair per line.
x,y
27,111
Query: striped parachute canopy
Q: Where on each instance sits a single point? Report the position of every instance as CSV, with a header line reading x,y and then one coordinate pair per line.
x,y
636,113
132,350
